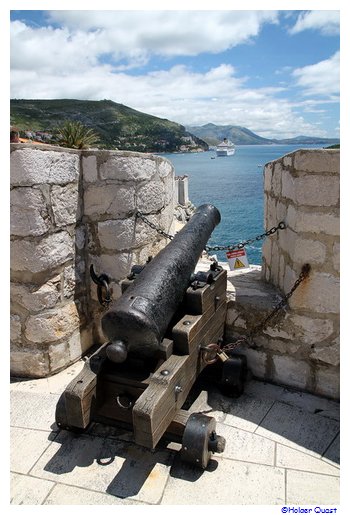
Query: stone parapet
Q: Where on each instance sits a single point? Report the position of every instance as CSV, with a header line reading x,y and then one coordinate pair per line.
x,y
71,209
301,347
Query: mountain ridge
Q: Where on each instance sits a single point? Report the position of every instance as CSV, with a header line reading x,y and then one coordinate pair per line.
x,y
214,134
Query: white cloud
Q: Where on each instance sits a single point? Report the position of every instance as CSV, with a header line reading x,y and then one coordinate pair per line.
x,y
321,78
68,62
327,22
136,34
178,94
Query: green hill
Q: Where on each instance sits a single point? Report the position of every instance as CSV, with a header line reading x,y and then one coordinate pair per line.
x,y
117,125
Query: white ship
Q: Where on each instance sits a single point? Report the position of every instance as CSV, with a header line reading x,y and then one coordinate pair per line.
x,y
226,148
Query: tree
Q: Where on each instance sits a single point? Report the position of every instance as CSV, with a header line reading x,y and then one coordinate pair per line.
x,y
74,134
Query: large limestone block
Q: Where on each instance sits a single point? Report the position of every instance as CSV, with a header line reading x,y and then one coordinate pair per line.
x,y
319,293
291,372
65,204
311,190
29,214
310,221
110,200
50,326
317,161
35,257
128,167
151,197
15,328
124,234
33,166
34,298
29,363
89,164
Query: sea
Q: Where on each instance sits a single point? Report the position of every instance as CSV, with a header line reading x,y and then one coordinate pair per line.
x,y
233,184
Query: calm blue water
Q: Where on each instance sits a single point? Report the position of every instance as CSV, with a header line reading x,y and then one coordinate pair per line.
x,y
234,184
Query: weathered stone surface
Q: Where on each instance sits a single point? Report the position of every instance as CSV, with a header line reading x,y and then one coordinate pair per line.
x,y
165,167
80,237
267,177
293,459
276,180
151,197
305,221
29,214
65,204
317,161
291,372
89,164
15,328
69,281
58,356
256,361
26,447
50,252
29,363
336,256
311,330
111,200
52,325
319,293
33,166
311,190
329,354
117,266
34,298
309,251
328,382
79,343
128,167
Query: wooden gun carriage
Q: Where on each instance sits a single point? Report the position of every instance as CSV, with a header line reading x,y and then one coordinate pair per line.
x,y
158,335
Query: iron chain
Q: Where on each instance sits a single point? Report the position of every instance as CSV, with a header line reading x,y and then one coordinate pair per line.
x,y
305,271
242,244
153,226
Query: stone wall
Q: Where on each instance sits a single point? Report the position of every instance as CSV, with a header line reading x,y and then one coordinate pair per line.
x,y
301,347
70,209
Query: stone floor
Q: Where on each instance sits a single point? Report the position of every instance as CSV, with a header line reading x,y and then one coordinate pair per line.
x,y
282,449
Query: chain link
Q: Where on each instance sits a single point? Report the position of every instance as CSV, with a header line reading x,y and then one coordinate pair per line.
x,y
242,244
305,271
153,226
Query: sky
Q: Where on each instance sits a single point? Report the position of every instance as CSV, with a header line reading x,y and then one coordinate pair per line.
x,y
274,72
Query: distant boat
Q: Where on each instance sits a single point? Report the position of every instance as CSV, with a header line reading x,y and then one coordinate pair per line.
x,y
226,148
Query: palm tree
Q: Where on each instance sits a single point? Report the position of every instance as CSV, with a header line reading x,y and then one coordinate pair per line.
x,y
74,134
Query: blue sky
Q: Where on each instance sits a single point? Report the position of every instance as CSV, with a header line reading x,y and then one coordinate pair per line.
x,y
274,72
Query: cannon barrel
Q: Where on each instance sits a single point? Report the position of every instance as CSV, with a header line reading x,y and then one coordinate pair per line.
x,y
138,320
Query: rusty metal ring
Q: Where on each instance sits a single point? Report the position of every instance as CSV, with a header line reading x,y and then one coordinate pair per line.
x,y
212,347
121,405
107,298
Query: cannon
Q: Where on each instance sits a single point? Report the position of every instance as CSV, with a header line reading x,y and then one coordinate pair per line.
x,y
159,334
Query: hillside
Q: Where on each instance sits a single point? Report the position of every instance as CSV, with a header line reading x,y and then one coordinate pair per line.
x,y
118,126
213,134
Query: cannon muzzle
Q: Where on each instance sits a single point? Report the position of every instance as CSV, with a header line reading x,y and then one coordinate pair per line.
x,y
136,322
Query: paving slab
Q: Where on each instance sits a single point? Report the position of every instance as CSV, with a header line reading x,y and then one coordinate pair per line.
x,y
29,490
303,400
225,482
246,446
26,447
106,465
292,459
33,410
64,495
296,428
308,488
